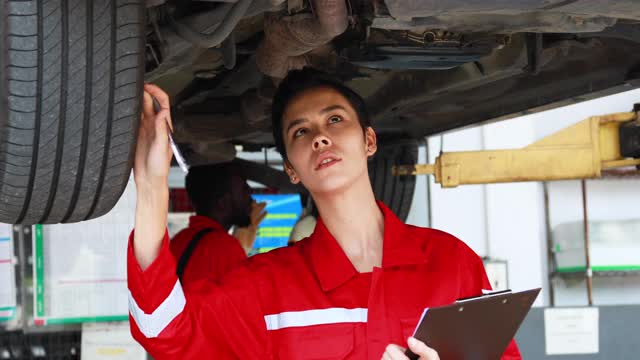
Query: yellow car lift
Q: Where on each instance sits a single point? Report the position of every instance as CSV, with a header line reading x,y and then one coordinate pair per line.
x,y
580,151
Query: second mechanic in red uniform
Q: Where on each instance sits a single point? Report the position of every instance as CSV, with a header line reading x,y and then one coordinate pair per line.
x,y
205,249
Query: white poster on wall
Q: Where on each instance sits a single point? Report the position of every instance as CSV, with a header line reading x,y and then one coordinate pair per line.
x,y
571,331
80,269
7,277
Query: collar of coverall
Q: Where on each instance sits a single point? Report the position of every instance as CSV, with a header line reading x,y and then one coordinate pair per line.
x,y
333,268
200,221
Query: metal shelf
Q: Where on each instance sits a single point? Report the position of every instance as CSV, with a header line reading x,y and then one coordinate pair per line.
x,y
598,273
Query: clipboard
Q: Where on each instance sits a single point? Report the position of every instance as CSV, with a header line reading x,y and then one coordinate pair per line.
x,y
474,328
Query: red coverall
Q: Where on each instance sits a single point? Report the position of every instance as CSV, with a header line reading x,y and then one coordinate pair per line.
x,y
215,255
305,301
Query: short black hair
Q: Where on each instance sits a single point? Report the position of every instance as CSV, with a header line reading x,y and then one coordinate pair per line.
x,y
206,184
298,81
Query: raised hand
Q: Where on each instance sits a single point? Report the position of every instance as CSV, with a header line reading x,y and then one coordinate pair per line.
x,y
247,235
150,171
153,153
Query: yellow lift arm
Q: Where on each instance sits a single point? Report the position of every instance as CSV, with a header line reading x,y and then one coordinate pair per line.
x,y
580,151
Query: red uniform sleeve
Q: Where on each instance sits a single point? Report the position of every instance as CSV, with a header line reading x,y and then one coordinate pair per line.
x,y
204,318
477,280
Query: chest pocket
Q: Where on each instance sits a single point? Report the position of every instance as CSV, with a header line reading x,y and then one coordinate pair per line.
x,y
320,342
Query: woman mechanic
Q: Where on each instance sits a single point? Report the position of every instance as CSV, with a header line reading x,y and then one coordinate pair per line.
x,y
354,289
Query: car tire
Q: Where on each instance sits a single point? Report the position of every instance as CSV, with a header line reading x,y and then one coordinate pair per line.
x,y
71,77
395,191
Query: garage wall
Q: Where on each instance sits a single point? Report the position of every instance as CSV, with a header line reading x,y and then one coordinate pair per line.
x,y
459,211
506,221
502,221
419,213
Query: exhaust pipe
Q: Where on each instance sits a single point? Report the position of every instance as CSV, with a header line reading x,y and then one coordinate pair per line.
x,y
288,39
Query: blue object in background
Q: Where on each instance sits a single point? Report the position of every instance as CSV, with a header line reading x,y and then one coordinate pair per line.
x,y
283,210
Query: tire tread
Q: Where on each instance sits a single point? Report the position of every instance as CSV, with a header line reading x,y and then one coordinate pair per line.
x,y
396,192
71,74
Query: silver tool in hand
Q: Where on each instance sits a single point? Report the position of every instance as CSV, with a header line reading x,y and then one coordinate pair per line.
x,y
182,162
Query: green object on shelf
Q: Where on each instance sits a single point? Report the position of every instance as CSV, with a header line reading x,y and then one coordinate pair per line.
x,y
612,268
86,319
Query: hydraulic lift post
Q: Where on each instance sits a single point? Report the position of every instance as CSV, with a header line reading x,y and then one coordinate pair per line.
x,y
580,151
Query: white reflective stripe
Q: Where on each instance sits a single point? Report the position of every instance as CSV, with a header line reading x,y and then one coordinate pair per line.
x,y
152,324
315,317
